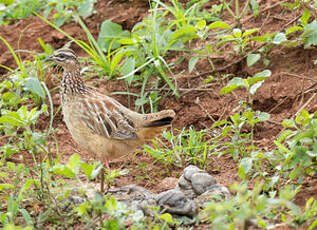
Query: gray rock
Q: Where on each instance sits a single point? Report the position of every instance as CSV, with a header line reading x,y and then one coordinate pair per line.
x,y
195,181
214,190
135,197
186,187
201,181
190,170
175,202
194,189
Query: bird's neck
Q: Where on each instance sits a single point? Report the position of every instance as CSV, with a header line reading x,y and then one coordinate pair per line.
x,y
72,84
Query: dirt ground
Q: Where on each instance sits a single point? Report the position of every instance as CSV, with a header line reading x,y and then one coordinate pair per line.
x,y
282,95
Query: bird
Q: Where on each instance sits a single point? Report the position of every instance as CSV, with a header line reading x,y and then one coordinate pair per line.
x,y
99,123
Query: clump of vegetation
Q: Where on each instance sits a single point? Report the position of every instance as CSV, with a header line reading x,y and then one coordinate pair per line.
x,y
61,11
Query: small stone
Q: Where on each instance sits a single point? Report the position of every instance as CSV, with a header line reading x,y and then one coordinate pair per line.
x,y
218,189
201,181
214,190
175,202
186,187
190,170
183,183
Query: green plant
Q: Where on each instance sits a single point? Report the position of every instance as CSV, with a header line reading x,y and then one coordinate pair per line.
x,y
241,40
236,14
18,9
297,146
308,214
17,193
66,9
19,115
241,143
188,147
63,10
251,208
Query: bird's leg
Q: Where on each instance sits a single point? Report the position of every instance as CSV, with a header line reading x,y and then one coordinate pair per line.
x,y
102,176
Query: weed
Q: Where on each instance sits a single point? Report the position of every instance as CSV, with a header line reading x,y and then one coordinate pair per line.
x,y
188,147
63,10
251,208
298,148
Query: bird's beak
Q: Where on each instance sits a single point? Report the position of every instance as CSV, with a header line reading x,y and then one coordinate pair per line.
x,y
50,58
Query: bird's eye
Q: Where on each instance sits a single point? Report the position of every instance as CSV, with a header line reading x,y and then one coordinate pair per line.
x,y
61,56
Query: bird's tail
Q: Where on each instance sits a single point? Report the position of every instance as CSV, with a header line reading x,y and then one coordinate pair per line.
x,y
155,123
162,118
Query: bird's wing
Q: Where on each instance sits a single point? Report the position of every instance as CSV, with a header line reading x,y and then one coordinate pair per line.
x,y
104,118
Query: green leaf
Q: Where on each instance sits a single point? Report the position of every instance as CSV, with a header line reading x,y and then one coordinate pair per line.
x,y
127,68
6,186
303,117
296,172
218,25
185,30
73,162
233,84
282,148
237,33
286,133
248,115
266,61
201,24
264,73
96,172
248,32
141,101
87,169
263,116
126,41
26,216
252,58
288,123
3,175
109,31
13,119
310,34
279,38
116,60
313,225
255,7
192,62
255,87
209,79
64,171
246,164
34,85
86,8
304,18
293,29
167,217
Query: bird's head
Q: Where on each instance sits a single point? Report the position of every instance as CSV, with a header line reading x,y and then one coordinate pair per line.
x,y
64,57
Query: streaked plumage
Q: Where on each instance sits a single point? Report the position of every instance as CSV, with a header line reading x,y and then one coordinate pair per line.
x,y
98,122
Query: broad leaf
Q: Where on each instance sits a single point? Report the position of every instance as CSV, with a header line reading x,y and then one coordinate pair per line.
x,y
233,84
255,87
253,58
218,25
310,34
34,85
108,32
279,38
192,62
